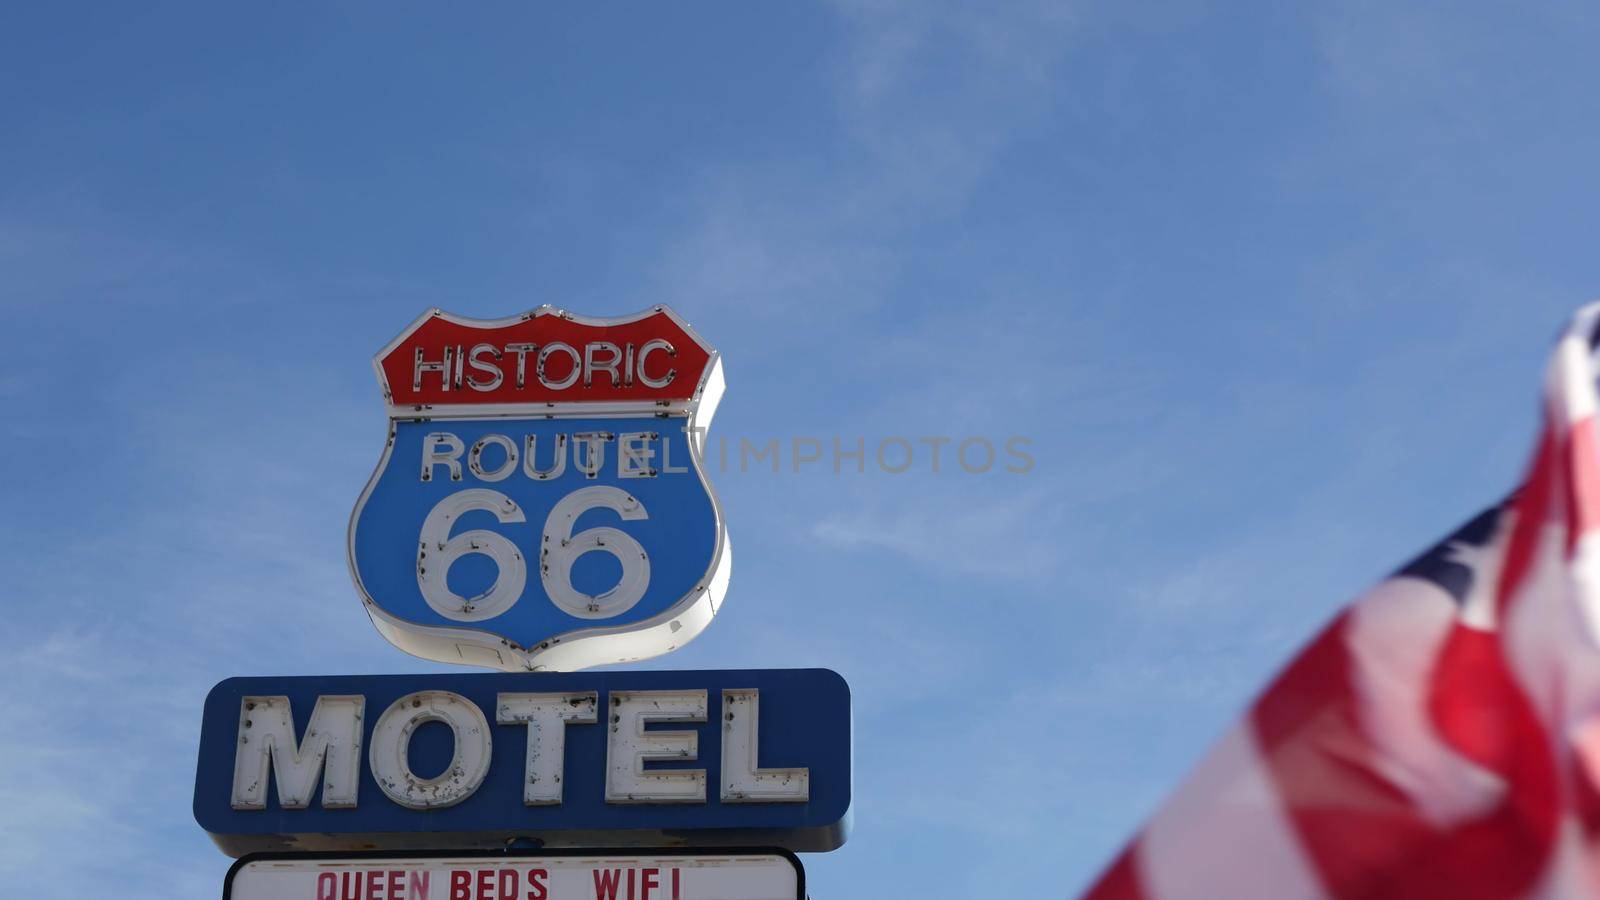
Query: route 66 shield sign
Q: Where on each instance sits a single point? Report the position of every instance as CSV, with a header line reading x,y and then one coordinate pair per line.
x,y
541,502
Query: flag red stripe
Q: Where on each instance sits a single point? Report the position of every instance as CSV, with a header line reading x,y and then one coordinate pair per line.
x,y
1352,822
1121,879
1479,709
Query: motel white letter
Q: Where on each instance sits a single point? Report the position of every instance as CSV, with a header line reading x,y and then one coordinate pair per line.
x,y
391,750
742,780
547,716
630,746
266,743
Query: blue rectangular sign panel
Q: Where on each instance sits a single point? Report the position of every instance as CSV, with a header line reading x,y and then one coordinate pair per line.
x,y
720,758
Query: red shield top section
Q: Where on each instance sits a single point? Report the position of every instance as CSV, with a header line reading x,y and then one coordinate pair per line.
x,y
547,356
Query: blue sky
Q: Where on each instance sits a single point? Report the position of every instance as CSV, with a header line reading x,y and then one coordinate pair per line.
x,y
1267,286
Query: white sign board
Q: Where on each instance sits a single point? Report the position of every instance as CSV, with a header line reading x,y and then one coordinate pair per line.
x,y
518,876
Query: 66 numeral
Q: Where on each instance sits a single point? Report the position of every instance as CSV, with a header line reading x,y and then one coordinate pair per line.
x,y
559,549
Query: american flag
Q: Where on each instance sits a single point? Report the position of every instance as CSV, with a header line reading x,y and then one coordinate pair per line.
x,y
1441,737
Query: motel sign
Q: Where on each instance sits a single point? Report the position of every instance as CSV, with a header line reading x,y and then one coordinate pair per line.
x,y
717,758
540,506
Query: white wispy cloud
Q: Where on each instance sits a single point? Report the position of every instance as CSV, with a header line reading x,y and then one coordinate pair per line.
x,y
1010,539
931,94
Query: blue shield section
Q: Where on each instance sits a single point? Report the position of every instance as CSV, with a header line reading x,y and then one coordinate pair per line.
x,y
679,531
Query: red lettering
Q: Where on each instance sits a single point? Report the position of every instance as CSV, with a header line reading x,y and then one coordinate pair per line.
x,y
605,883
349,886
418,886
537,890
327,886
675,885
648,882
508,884
485,885
395,887
374,884
460,885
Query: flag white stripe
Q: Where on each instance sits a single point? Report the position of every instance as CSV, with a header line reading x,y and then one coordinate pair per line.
x,y
1227,810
